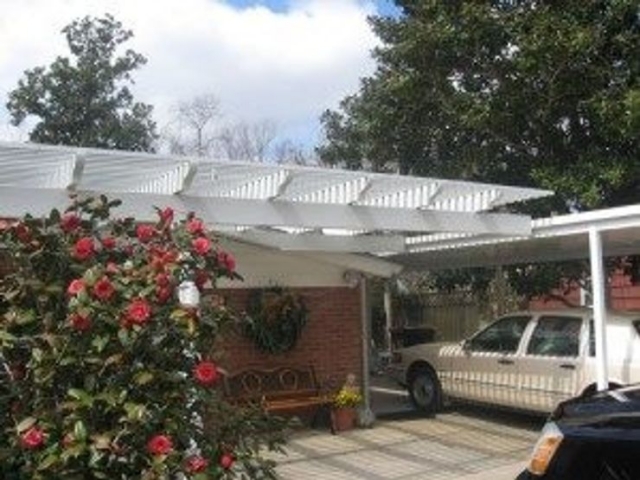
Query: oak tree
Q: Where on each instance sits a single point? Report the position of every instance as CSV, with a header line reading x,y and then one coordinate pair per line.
x,y
84,100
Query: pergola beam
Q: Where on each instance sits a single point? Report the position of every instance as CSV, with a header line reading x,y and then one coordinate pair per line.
x,y
323,243
256,213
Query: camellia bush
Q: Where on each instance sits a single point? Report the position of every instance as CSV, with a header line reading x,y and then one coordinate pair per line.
x,y
105,373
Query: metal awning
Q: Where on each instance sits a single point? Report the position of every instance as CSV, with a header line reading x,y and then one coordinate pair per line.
x,y
559,238
283,206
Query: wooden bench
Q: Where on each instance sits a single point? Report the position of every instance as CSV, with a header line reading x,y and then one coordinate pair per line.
x,y
279,390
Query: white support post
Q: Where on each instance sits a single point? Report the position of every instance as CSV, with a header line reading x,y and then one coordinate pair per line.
x,y
367,418
599,313
388,315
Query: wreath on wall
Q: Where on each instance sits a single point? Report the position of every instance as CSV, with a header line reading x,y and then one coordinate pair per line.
x,y
275,319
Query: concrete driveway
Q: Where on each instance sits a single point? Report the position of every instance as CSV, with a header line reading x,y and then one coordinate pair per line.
x,y
461,444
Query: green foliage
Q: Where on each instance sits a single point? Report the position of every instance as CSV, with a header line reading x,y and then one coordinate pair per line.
x,y
275,319
519,92
82,101
531,93
107,374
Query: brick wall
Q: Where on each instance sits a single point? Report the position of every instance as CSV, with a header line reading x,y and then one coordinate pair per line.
x,y
622,295
330,341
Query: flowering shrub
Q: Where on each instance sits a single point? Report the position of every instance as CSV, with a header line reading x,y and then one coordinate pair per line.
x,y
107,375
347,397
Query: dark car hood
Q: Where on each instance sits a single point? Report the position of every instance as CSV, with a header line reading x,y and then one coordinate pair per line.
x,y
611,408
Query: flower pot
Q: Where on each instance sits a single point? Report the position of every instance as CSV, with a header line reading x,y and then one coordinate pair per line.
x,y
343,418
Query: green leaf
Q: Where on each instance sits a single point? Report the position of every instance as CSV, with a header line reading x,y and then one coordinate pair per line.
x,y
116,358
109,397
67,361
124,337
48,462
54,215
53,289
36,354
73,451
83,397
135,411
6,337
26,424
96,456
142,378
79,430
100,342
25,317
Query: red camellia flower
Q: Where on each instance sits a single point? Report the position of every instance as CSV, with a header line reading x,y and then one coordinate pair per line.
x,y
195,226
227,261
163,294
159,258
201,278
103,289
109,243
166,215
201,245
138,311
112,267
145,233
69,222
80,322
32,438
83,249
76,286
162,279
206,373
227,460
160,445
23,232
196,464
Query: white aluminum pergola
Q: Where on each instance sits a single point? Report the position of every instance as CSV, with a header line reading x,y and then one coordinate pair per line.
x,y
283,206
280,206
417,222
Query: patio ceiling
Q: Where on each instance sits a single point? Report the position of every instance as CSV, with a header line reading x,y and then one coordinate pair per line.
x,y
283,206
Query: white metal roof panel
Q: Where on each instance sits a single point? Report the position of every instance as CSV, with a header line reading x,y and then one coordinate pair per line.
x,y
563,237
301,200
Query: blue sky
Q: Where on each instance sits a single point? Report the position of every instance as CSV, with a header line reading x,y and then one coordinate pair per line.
x,y
280,60
384,7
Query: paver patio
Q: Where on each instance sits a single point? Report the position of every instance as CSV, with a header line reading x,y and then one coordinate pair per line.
x,y
454,445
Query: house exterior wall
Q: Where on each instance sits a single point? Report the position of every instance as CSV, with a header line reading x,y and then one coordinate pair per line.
x,y
331,341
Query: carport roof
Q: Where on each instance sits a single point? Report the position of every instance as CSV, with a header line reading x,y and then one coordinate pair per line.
x,y
283,206
563,237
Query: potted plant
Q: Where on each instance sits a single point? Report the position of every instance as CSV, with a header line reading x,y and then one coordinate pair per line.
x,y
344,406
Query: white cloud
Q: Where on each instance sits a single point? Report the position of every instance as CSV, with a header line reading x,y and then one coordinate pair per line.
x,y
286,66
